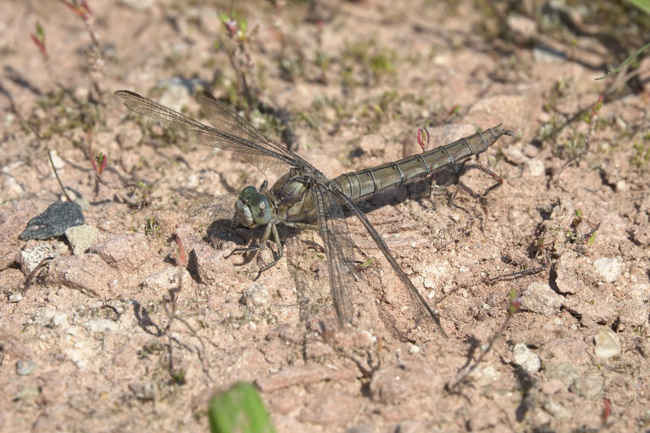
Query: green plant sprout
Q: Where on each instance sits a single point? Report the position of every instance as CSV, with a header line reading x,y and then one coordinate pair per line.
x,y
238,53
38,37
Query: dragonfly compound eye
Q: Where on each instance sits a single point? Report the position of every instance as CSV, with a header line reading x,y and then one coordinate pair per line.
x,y
252,209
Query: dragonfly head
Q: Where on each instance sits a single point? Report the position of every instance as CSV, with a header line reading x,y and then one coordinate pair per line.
x,y
252,208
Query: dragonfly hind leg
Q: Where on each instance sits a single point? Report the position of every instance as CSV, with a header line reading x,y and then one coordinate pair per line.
x,y
480,197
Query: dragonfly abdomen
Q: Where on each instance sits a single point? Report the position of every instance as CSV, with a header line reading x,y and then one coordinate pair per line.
x,y
362,184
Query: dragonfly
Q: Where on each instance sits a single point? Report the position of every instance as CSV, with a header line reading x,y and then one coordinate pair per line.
x,y
304,198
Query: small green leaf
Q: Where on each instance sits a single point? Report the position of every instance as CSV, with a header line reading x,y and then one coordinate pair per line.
x,y
239,410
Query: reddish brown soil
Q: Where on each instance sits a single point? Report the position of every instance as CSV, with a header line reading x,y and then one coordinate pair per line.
x,y
92,344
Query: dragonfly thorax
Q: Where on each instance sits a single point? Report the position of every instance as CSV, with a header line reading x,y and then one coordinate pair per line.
x,y
292,199
253,208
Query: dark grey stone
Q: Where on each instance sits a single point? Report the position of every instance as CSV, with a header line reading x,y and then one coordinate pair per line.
x,y
56,219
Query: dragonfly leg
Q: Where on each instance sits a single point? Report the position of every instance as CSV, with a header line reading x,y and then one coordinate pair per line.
x,y
264,185
301,226
498,180
253,248
480,197
243,251
276,257
451,201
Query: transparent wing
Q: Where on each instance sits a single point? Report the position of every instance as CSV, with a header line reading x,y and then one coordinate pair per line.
x,y
323,272
339,248
226,119
416,296
230,131
305,260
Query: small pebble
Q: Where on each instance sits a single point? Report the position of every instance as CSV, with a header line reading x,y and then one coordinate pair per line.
x,y
514,155
567,269
81,238
30,258
526,358
257,295
609,268
25,368
144,391
59,319
607,344
535,167
485,375
166,279
11,188
540,298
176,92
101,325
15,297
9,119
522,25
414,349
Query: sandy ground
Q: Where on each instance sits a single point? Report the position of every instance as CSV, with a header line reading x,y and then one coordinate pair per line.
x,y
92,343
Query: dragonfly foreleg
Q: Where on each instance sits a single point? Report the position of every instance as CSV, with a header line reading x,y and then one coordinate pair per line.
x,y
243,251
255,249
252,248
271,228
